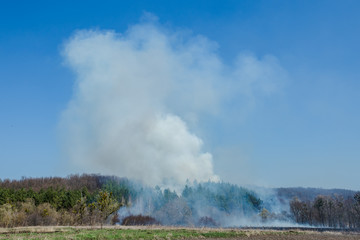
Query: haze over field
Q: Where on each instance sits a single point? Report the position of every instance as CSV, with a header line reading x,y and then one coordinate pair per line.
x,y
251,92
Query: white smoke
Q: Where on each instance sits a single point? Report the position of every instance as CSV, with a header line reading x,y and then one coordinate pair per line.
x,y
134,95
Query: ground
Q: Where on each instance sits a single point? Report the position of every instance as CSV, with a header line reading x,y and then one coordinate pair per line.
x,y
156,232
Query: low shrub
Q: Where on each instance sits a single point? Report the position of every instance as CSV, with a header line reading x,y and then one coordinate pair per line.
x,y
207,222
139,220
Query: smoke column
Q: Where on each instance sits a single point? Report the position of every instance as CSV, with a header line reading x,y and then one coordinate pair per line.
x,y
137,93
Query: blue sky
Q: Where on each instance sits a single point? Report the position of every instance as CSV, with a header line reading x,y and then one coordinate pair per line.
x,y
305,134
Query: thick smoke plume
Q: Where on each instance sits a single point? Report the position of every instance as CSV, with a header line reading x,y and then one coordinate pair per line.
x,y
137,94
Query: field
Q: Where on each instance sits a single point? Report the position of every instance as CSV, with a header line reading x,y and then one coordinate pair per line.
x,y
167,233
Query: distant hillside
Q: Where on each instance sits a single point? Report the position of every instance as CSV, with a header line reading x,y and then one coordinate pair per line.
x,y
309,194
92,182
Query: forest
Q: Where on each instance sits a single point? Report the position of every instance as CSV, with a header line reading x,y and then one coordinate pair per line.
x,y
91,199
328,211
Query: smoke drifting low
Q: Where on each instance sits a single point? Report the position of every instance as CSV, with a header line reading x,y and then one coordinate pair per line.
x,y
137,93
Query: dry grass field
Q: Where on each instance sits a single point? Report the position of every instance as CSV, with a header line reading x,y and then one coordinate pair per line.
x,y
155,232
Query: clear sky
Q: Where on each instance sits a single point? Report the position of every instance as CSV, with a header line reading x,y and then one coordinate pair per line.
x,y
307,133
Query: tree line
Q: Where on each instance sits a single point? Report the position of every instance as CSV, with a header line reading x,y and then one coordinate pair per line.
x,y
327,211
198,204
95,200
75,200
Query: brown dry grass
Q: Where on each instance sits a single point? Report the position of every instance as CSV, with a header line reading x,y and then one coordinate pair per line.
x,y
52,232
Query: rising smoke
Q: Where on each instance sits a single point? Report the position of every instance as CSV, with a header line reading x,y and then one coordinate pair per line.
x,y
137,94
